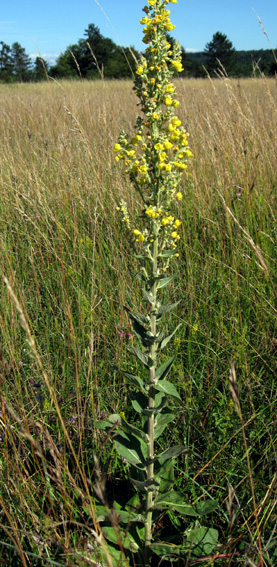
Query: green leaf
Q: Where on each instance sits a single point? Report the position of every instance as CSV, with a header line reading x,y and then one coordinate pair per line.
x,y
144,320
167,308
164,369
165,281
167,388
134,380
139,401
148,297
206,507
134,430
144,358
165,549
167,253
145,485
116,536
167,339
201,541
174,501
131,448
115,419
171,453
162,420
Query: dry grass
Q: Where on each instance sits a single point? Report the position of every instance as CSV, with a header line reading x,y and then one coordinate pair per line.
x,y
65,257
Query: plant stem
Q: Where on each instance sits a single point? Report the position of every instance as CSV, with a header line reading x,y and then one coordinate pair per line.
x,y
151,418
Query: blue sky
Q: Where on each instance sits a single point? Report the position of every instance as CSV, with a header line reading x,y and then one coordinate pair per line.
x,y
52,25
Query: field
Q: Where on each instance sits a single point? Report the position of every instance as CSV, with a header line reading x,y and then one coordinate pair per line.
x,y
66,274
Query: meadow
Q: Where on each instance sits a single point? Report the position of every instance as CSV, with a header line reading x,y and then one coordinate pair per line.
x,y
66,274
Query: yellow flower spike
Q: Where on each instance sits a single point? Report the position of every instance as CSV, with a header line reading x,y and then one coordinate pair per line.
x,y
179,196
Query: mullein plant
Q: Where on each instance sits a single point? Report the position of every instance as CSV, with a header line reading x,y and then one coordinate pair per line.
x,y
155,159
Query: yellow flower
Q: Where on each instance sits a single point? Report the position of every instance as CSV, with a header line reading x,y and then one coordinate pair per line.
x,y
117,148
173,1
176,121
169,26
175,103
139,70
189,154
168,167
165,221
155,116
170,88
177,223
168,100
179,196
151,2
174,235
143,169
177,66
168,145
158,146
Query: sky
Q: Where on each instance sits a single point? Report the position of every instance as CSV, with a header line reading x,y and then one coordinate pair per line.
x,y
51,26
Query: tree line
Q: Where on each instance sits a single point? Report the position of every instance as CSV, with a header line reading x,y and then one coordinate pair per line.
x,y
96,55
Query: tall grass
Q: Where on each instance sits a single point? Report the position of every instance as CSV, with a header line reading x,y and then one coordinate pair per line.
x,y
63,330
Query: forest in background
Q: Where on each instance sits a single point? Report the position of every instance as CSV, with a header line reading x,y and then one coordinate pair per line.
x,y
97,56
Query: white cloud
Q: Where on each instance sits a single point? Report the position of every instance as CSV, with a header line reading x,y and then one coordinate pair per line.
x,y
191,50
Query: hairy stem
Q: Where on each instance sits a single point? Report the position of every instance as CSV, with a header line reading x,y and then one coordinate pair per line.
x,y
151,402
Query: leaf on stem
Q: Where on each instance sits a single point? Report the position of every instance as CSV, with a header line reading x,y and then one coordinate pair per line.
x,y
174,501
167,339
167,388
165,281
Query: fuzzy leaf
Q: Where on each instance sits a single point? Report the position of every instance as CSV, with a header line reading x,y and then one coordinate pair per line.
x,y
166,308
167,388
148,297
171,453
134,380
174,501
145,485
165,549
130,448
115,419
162,420
167,339
127,540
201,541
167,253
139,401
144,358
164,369
165,281
206,507
144,320
134,430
